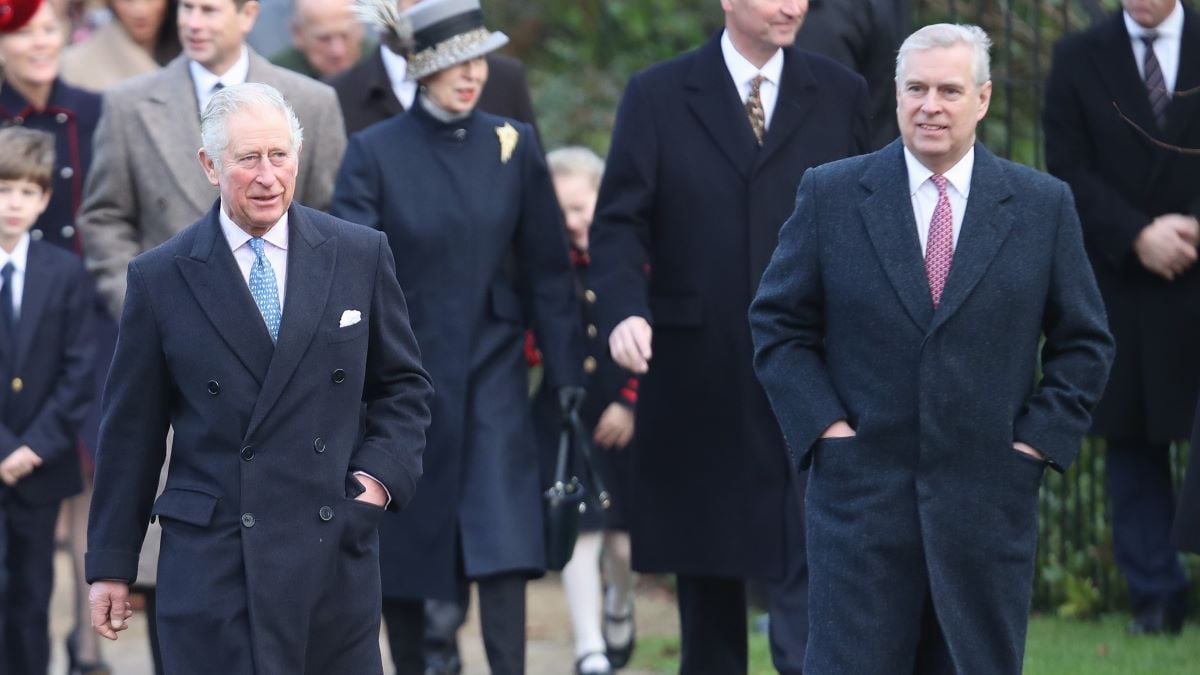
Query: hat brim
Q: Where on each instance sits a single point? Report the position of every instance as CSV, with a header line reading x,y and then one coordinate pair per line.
x,y
16,13
459,49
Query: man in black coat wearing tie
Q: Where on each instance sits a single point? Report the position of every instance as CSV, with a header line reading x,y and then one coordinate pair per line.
x,y
1116,122
706,155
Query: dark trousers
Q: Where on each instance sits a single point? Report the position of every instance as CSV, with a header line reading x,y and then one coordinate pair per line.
x,y
1143,508
443,618
26,582
501,617
787,599
712,625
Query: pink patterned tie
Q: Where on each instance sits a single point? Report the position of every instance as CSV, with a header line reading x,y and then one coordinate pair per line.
x,y
939,249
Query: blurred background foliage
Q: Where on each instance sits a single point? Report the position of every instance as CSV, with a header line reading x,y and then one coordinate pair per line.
x,y
581,53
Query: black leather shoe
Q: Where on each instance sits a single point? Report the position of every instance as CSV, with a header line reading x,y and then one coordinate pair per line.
x,y
1163,617
618,655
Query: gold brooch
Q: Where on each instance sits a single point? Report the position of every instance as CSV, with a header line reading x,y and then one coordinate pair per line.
x,y
508,141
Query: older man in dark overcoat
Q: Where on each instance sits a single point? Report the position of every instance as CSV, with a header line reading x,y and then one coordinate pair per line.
x,y
274,340
897,333
706,155
1114,132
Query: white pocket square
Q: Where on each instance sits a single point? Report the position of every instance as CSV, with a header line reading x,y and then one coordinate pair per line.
x,y
349,318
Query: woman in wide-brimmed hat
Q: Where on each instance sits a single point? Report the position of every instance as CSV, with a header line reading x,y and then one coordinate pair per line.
x,y
467,203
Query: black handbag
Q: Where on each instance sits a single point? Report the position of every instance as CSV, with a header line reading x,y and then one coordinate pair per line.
x,y
564,500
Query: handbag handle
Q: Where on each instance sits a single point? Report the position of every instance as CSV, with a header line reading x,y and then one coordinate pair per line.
x,y
585,451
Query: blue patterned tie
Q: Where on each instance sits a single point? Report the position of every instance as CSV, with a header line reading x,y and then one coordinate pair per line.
x,y
263,288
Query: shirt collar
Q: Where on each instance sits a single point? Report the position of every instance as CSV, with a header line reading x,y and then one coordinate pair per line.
x,y
205,79
19,255
237,237
743,71
1171,27
959,175
395,65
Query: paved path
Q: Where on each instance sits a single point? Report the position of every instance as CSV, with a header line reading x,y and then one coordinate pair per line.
x,y
548,629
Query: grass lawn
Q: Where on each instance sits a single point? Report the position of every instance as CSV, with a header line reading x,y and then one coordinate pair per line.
x,y
1055,647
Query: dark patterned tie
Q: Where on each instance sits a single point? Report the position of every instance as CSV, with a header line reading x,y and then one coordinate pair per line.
x,y
939,249
1156,87
754,109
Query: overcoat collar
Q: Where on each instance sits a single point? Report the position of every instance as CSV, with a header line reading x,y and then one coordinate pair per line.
x,y
170,115
377,93
216,282
714,99
888,216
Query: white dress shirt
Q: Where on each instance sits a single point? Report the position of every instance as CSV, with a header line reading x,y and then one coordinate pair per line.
x,y
925,194
742,71
18,258
275,248
204,80
1166,47
397,69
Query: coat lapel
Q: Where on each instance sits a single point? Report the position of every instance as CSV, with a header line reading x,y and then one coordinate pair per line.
x,y
216,282
986,224
171,118
797,97
1112,51
39,279
888,217
714,99
310,276
378,93
1184,111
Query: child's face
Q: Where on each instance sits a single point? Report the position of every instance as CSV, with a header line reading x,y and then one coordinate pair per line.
x,y
21,202
577,197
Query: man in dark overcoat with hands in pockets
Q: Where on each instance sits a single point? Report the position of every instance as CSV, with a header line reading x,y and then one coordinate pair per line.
x,y
897,332
275,340
707,151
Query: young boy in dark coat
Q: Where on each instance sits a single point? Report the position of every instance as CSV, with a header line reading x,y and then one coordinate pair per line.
x,y
45,386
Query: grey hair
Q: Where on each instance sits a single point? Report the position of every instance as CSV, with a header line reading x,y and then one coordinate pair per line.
x,y
213,133
576,160
949,35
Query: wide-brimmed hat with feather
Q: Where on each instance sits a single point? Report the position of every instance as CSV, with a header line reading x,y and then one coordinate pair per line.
x,y
433,34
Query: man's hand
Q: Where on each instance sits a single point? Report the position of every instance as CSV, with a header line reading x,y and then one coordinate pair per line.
x,y
18,465
1027,449
109,603
374,492
630,344
615,428
1167,246
839,429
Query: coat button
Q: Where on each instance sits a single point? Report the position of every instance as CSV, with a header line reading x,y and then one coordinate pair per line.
x,y
326,513
36,234
17,385
214,387
61,118
592,331
589,365
66,172
590,296
460,134
68,232
339,376
248,453
319,444
247,520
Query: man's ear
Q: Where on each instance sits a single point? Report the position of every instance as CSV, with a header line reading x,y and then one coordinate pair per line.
x,y
210,171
